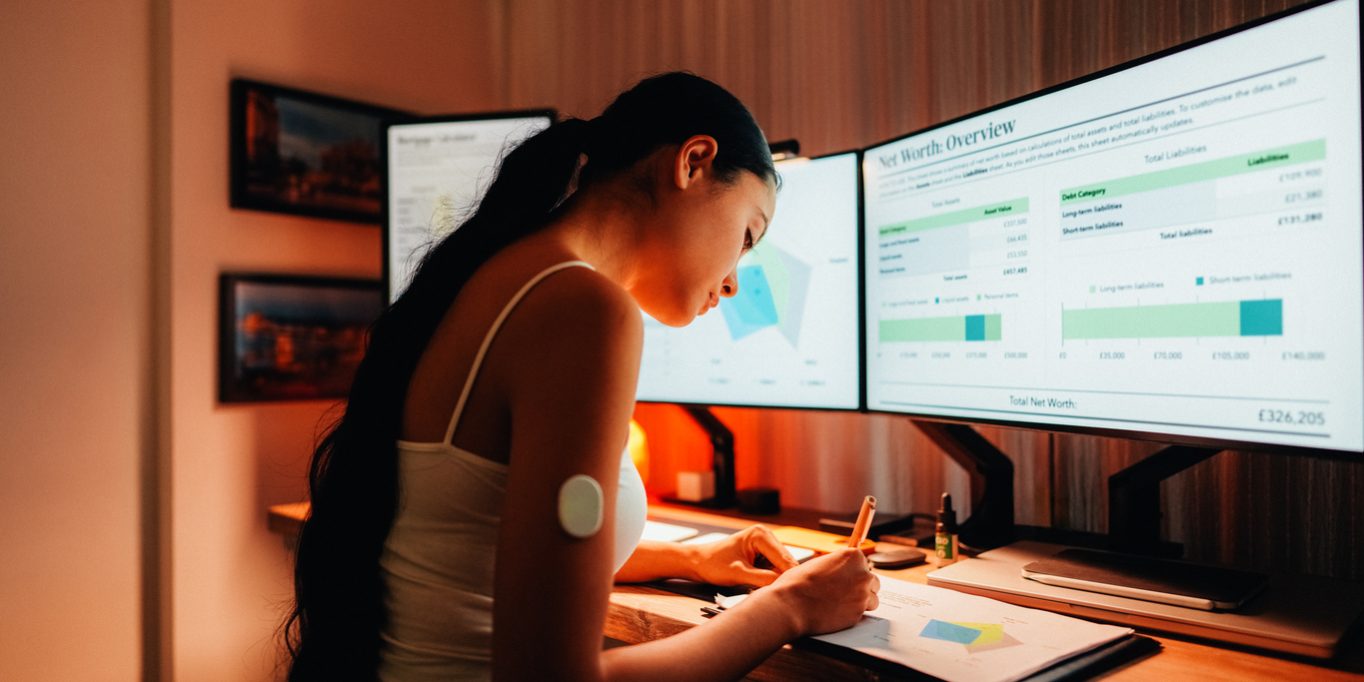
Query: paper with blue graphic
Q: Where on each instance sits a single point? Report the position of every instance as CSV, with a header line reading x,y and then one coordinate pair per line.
x,y
955,636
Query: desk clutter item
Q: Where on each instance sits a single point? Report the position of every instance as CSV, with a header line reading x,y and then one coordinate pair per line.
x,y
695,486
898,557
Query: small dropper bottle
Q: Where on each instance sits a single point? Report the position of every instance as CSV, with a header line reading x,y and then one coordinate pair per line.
x,y
945,532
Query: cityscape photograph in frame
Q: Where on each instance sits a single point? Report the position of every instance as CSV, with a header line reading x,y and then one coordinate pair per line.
x,y
285,337
304,153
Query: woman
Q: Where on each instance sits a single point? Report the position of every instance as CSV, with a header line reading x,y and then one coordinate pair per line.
x,y
499,387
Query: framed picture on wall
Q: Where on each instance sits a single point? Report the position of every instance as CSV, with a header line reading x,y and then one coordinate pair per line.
x,y
285,337
299,152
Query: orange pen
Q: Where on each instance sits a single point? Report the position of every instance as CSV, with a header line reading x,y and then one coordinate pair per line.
x,y
863,525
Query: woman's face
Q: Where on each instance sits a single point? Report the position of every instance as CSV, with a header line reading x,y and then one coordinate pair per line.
x,y
703,226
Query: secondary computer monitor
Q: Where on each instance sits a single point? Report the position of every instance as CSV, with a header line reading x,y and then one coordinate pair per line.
x,y
1171,248
789,337
437,168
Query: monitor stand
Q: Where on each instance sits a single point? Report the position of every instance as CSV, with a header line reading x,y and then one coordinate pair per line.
x,y
1133,493
722,459
1133,509
1134,500
991,523
1133,497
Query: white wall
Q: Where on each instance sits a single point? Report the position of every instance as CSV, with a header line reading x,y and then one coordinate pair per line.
x,y
84,115
75,323
230,577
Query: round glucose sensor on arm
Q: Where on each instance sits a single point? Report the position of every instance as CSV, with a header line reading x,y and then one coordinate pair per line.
x,y
581,505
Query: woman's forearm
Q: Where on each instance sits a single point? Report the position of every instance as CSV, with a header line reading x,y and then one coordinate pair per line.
x,y
727,647
658,560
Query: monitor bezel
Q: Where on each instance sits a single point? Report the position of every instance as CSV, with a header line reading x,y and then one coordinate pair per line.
x,y
861,406
1150,436
385,229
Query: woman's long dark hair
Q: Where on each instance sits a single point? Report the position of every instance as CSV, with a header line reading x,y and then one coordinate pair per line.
x,y
333,631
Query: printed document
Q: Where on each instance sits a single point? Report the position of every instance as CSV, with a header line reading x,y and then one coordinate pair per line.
x,y
955,636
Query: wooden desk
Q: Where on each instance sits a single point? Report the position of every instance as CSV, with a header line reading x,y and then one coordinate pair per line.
x,y
640,614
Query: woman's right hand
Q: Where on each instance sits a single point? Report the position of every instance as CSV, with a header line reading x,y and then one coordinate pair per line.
x,y
828,593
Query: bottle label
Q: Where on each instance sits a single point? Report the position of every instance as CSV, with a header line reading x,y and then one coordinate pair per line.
x,y
944,547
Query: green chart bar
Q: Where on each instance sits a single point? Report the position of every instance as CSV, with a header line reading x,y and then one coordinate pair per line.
x,y
966,215
954,328
1314,150
1179,320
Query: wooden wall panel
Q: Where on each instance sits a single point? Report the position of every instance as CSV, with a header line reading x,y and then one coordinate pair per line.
x,y
1082,465
840,75
1271,511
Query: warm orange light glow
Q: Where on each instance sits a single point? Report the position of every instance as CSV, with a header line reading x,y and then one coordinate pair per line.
x,y
639,450
677,444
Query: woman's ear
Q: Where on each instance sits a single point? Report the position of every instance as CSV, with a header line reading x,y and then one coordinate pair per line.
x,y
694,160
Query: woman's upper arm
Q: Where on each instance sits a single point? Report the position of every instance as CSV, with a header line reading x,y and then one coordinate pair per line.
x,y
571,386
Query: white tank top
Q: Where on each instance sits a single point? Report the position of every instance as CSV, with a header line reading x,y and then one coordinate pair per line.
x,y
437,563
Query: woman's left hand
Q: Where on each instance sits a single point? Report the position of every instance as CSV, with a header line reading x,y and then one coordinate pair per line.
x,y
733,561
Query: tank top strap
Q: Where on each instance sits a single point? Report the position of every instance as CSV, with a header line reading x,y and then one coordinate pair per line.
x,y
492,332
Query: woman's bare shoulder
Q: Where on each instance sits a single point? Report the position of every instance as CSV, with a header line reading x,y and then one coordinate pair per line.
x,y
572,323
581,304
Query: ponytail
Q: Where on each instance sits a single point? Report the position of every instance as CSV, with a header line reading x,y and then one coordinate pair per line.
x,y
333,630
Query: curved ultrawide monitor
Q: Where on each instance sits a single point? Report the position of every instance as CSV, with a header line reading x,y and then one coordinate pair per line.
x,y
789,338
1171,248
437,168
